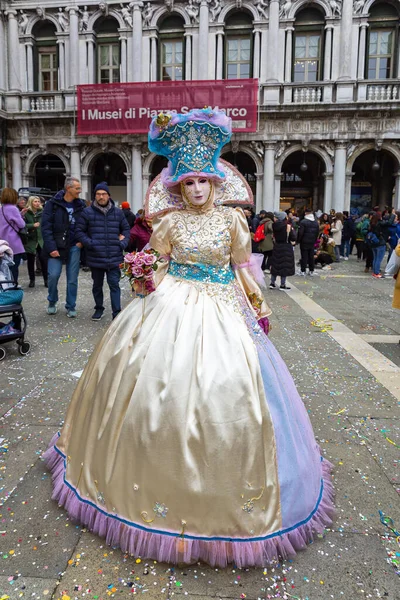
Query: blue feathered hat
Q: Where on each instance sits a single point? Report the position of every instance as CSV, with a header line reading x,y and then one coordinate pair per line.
x,y
192,142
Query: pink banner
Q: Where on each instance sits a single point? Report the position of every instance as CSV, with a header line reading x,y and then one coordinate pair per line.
x,y
120,108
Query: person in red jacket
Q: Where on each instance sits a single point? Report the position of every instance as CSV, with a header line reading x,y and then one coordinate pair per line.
x,y
140,234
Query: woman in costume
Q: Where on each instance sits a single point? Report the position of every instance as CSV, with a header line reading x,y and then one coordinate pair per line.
x,y
186,439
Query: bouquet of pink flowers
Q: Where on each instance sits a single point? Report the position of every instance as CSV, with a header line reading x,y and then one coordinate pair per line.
x,y
139,267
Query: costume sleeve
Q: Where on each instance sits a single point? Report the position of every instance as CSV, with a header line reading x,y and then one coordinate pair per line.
x,y
161,241
245,266
241,240
160,238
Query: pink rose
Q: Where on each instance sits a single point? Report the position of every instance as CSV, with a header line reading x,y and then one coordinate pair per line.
x,y
137,271
129,258
140,259
149,259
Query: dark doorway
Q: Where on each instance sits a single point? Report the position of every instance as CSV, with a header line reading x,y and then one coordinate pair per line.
x,y
158,164
245,165
302,182
50,172
373,180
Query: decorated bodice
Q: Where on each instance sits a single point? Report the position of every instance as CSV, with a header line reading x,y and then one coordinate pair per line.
x,y
217,237
202,238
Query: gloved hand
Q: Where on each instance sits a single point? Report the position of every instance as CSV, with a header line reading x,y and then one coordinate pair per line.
x,y
265,325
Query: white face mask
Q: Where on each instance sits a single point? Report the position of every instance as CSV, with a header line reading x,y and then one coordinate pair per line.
x,y
196,190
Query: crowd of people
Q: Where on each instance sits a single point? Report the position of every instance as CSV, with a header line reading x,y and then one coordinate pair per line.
x,y
66,231
323,240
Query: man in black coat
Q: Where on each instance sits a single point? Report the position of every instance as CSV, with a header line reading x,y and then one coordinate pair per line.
x,y
104,232
308,235
61,245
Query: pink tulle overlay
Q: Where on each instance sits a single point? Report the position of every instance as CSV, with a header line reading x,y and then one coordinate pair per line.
x,y
175,548
254,265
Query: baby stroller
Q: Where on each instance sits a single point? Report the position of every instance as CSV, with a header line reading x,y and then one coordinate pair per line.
x,y
10,306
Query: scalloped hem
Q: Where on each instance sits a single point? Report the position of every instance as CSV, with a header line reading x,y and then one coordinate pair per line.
x,y
175,549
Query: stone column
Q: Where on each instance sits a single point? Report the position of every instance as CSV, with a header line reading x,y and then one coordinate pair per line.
x,y
73,47
91,60
288,54
328,192
273,40
85,181
75,162
137,40
339,177
153,57
14,83
264,54
145,182
328,52
203,40
268,199
396,199
346,24
220,54
29,65
123,58
188,55
137,193
16,168
145,58
129,188
256,54
3,58
347,191
277,191
61,68
362,46
259,191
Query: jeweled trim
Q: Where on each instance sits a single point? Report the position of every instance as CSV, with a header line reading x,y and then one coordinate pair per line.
x,y
201,272
188,536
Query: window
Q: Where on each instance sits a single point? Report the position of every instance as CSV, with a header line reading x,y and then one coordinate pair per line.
x,y
308,45
48,70
238,46
381,41
238,58
307,57
380,54
171,60
171,49
108,56
108,63
45,56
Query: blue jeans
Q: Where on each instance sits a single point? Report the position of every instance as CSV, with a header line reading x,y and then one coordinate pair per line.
x,y
54,267
273,279
346,248
113,277
14,269
378,254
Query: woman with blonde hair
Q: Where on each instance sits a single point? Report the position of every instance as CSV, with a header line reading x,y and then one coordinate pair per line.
x,y
336,232
34,244
11,224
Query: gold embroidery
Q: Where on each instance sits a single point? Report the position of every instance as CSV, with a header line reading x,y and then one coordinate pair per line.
x,y
202,237
249,505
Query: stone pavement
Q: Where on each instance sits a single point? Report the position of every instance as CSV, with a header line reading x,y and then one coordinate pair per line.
x,y
353,408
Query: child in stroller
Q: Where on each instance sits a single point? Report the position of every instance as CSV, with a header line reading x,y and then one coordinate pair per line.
x,y
10,305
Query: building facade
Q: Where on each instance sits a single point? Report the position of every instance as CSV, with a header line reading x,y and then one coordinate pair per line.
x,y
329,92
